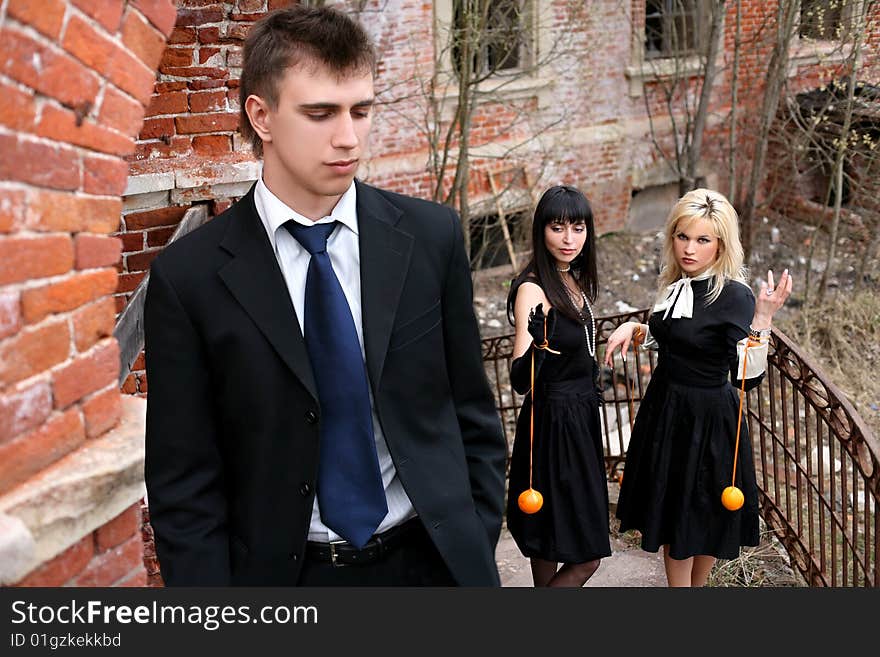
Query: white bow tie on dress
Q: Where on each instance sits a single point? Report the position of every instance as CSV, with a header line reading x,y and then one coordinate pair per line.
x,y
680,299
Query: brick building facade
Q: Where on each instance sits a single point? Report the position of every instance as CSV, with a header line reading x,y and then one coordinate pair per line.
x,y
119,117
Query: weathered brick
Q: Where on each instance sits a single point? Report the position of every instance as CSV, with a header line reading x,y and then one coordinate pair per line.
x,y
93,323
105,56
129,282
46,70
38,163
143,39
10,312
55,211
212,144
105,176
209,35
23,258
129,386
200,16
206,123
167,103
198,85
23,410
96,251
250,5
59,570
102,412
46,16
208,101
197,72
30,453
85,374
206,54
183,35
132,242
106,12
176,146
162,87
136,578
176,57
62,125
108,567
17,108
161,13
12,209
121,528
139,363
33,351
67,294
157,128
170,216
141,261
121,112
159,236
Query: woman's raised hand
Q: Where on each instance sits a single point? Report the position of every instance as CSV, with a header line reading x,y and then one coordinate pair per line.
x,y
771,298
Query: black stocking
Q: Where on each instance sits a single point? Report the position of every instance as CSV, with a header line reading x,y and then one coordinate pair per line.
x,y
543,571
574,574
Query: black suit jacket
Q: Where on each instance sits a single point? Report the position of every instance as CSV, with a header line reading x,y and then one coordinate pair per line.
x,y
232,442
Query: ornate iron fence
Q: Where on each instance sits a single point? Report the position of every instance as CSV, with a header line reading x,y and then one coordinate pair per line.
x,y
817,462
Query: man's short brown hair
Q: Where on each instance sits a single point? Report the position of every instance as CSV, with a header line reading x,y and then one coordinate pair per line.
x,y
297,36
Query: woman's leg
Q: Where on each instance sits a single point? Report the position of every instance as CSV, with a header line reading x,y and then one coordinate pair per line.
x,y
575,574
542,571
700,572
678,571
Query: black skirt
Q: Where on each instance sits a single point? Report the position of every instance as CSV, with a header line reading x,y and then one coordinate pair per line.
x,y
568,470
679,460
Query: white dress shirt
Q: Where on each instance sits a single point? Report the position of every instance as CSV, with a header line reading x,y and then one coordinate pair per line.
x,y
343,249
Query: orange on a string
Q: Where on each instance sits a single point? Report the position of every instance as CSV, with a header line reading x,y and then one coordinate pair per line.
x,y
732,498
530,501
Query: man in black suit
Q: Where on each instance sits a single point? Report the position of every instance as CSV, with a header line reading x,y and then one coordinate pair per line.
x,y
318,410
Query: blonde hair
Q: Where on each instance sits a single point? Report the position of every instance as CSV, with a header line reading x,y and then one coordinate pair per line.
x,y
717,210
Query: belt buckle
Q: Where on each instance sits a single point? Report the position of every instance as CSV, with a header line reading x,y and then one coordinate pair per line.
x,y
332,546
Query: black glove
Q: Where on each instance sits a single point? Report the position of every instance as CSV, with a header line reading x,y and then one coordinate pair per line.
x,y
521,368
536,323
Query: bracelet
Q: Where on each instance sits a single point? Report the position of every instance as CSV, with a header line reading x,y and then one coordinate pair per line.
x,y
759,334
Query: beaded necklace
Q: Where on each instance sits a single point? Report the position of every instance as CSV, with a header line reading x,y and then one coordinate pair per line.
x,y
589,334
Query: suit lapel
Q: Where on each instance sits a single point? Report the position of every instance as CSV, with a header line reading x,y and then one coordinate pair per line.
x,y
385,253
255,280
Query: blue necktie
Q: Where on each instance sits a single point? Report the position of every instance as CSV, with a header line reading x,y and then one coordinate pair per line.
x,y
350,490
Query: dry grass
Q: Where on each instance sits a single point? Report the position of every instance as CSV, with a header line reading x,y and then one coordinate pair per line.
x,y
843,335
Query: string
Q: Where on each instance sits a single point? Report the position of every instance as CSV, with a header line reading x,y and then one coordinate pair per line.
x,y
742,396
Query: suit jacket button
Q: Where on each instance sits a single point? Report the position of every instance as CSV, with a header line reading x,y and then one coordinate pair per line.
x,y
311,417
305,489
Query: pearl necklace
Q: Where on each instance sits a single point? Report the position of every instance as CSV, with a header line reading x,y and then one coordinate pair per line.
x,y
588,333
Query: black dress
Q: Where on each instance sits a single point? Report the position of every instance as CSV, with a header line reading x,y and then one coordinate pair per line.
x,y
680,455
569,471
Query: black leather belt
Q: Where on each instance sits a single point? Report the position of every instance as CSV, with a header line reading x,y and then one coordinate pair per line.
x,y
342,553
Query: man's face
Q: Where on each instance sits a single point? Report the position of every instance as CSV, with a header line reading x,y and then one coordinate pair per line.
x,y
316,136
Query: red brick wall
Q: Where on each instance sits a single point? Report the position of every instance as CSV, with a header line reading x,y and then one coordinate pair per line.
x,y
75,78
111,555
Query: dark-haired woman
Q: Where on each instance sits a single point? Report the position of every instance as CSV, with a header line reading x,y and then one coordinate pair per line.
x,y
566,460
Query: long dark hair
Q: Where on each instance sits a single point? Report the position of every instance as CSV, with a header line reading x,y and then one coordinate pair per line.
x,y
562,204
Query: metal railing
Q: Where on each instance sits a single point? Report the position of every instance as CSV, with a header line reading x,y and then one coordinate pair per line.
x,y
816,461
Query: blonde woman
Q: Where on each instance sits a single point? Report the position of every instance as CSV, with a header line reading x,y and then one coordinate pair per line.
x,y
680,456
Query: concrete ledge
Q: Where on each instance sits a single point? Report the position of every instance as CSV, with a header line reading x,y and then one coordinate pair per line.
x,y
73,497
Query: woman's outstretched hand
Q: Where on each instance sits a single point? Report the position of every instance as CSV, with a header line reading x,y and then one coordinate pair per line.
x,y
621,337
